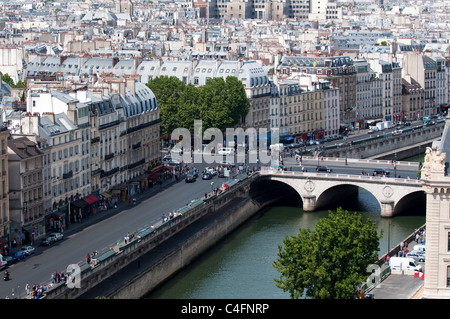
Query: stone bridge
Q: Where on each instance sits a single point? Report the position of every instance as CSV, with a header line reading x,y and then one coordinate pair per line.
x,y
319,189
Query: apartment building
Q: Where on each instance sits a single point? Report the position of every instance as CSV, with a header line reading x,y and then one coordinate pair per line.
x,y
289,108
390,74
269,9
413,99
26,206
331,120
369,94
423,69
63,122
5,218
441,78
339,71
274,116
130,134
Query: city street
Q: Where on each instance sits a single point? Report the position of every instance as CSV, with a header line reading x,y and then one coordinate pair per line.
x,y
38,268
101,235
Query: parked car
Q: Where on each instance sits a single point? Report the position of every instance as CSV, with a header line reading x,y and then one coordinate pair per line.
x,y
322,168
381,171
57,236
190,178
206,176
47,241
19,255
28,250
167,157
417,256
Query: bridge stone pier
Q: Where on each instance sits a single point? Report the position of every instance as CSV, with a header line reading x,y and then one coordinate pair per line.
x,y
318,189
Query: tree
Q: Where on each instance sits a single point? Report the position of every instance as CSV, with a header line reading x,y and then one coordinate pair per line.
x,y
330,261
6,78
219,103
167,91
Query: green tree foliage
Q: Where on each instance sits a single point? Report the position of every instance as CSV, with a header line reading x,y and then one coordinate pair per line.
x,y
219,103
330,261
6,78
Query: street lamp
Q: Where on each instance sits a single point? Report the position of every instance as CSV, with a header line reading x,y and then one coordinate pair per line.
x,y
318,153
395,165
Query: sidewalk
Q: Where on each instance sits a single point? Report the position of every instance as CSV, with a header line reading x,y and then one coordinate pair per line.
x,y
401,286
121,206
102,215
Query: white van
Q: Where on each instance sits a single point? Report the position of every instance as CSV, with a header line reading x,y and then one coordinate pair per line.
x,y
420,247
226,151
404,263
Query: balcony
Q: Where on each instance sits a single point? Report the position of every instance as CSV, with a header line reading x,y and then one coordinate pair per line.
x,y
96,172
137,145
109,156
109,173
67,175
95,140
108,125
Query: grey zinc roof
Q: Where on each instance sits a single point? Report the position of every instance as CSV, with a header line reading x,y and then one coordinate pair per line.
x,y
175,68
97,65
124,67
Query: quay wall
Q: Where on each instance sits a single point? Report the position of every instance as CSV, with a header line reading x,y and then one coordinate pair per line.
x,y
380,143
198,227
187,251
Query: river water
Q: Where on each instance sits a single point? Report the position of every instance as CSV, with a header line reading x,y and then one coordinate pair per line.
x,y
241,265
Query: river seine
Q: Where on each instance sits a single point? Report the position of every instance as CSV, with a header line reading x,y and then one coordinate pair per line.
x,y
241,265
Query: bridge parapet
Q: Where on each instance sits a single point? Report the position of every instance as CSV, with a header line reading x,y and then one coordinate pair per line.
x,y
343,177
316,188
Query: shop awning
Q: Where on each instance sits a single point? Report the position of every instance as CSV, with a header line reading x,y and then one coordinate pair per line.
x,y
157,169
58,213
345,124
106,195
170,168
79,203
286,138
91,199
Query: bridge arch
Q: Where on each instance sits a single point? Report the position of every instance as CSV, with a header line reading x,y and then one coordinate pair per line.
x,y
265,190
413,203
348,197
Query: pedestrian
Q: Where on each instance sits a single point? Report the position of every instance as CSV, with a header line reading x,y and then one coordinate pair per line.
x,y
88,259
27,289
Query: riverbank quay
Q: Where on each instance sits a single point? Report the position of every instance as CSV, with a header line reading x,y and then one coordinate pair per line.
x,y
398,284
109,262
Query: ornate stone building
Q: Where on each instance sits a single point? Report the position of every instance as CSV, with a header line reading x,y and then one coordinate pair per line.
x,y
436,184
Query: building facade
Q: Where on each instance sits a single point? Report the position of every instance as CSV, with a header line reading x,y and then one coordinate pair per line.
x,y
26,205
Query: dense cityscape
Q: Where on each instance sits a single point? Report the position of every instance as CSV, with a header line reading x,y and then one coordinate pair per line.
x,y
83,130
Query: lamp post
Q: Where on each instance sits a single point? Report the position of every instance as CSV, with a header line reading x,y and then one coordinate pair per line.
x,y
395,165
318,157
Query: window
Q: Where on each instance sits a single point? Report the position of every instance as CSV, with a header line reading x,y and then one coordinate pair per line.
x,y
448,276
448,243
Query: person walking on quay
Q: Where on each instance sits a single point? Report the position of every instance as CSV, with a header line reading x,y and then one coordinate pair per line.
x,y
88,259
